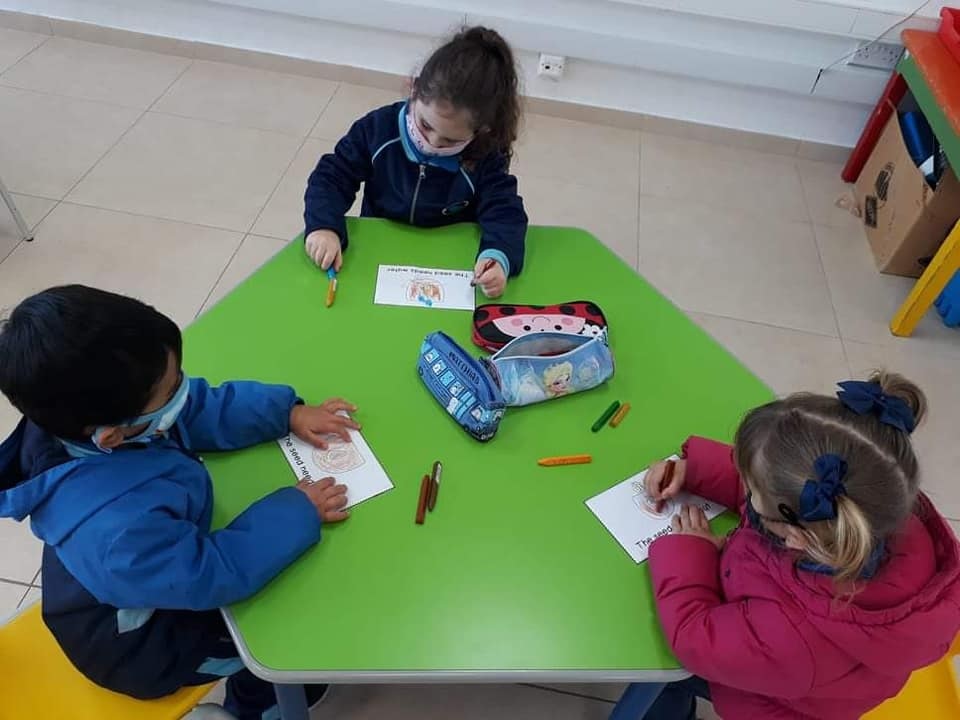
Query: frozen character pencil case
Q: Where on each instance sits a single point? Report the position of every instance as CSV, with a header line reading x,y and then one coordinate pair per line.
x,y
528,370
462,385
495,325
548,365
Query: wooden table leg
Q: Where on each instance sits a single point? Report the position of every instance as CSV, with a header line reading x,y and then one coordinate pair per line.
x,y
929,285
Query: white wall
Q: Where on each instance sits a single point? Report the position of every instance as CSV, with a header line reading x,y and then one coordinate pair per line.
x,y
747,64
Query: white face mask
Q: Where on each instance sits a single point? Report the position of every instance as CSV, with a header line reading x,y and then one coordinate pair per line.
x,y
425,146
157,422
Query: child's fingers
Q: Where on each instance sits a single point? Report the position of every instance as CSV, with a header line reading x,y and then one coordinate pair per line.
x,y
676,523
336,515
335,497
342,432
338,263
329,255
699,519
317,439
348,422
335,405
654,480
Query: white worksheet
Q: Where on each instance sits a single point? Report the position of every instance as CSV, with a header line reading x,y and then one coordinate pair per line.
x,y
350,463
424,287
632,518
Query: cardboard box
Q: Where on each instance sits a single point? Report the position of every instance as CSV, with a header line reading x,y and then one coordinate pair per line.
x,y
905,219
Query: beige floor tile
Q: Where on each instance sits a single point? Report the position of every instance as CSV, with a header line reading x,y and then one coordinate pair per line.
x,y
167,264
348,104
582,153
14,44
955,524
32,596
730,178
90,71
253,252
822,187
720,136
608,213
10,597
464,702
936,439
248,97
736,265
866,300
25,22
33,210
786,360
283,216
190,170
48,142
822,152
20,559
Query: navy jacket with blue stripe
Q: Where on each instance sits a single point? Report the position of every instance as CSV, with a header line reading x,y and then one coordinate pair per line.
x,y
397,186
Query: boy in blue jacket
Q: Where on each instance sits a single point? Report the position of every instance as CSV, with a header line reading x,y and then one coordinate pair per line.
x,y
443,157
105,464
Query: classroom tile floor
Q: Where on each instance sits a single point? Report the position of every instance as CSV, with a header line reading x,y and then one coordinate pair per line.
x,y
173,179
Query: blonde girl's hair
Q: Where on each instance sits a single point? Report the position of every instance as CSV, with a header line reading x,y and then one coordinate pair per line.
x,y
777,445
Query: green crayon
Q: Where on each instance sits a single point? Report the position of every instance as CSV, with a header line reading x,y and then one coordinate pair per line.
x,y
607,414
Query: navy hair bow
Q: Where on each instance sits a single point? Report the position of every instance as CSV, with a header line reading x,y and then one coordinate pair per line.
x,y
818,499
868,397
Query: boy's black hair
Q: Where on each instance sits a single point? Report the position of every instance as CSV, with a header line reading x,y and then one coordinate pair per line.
x,y
74,357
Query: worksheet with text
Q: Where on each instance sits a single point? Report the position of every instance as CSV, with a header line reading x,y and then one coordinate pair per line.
x,y
433,288
632,518
349,463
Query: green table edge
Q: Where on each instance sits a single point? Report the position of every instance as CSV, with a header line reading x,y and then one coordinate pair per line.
x,y
935,115
486,675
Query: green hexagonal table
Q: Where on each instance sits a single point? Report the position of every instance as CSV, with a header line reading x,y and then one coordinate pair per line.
x,y
511,578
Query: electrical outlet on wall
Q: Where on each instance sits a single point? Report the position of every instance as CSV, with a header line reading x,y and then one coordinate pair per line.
x,y
878,55
551,66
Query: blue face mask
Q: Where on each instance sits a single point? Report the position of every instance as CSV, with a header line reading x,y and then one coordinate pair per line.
x,y
156,423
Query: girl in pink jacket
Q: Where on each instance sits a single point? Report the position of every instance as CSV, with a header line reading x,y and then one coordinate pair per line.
x,y
841,579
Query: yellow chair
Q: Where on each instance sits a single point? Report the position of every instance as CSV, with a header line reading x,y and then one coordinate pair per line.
x,y
932,693
39,682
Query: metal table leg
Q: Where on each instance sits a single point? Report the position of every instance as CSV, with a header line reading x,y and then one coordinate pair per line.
x,y
22,226
292,700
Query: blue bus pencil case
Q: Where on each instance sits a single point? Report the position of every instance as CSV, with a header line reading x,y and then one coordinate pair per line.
x,y
462,385
528,370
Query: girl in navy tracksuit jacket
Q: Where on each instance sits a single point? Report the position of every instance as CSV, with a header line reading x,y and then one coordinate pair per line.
x,y
439,158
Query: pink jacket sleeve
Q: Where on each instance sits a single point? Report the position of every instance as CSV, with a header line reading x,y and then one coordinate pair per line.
x,y
750,645
711,472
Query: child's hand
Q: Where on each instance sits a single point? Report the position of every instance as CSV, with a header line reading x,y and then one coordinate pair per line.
x,y
327,498
314,422
493,281
691,520
654,482
323,247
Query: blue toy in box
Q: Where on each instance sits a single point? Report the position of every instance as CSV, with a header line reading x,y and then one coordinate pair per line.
x,y
948,304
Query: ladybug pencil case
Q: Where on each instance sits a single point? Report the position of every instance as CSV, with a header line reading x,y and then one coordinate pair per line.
x,y
495,325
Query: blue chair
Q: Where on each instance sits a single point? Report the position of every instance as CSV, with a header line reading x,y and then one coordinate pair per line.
x,y
636,700
948,304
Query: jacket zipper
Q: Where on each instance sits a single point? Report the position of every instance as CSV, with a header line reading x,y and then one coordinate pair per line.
x,y
416,191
